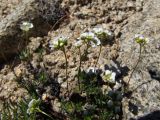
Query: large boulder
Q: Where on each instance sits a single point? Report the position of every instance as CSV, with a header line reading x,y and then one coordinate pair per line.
x,y
42,13
145,81
9,28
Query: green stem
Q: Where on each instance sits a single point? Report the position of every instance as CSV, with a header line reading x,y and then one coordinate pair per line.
x,y
85,51
140,52
65,55
26,37
43,113
100,49
79,69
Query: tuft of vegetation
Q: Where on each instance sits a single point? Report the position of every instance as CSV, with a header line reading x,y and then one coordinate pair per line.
x,y
94,98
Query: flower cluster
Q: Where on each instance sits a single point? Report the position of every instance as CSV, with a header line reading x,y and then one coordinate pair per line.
x,y
26,26
115,96
89,38
140,39
58,42
102,33
93,38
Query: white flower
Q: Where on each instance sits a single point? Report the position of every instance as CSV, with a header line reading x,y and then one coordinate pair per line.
x,y
87,35
110,76
58,42
26,26
91,38
101,32
95,42
53,43
141,39
109,33
78,43
147,40
98,30
33,104
139,36
30,106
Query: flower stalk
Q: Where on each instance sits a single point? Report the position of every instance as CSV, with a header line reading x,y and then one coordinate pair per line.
x,y
26,37
79,69
142,41
59,43
39,110
33,107
66,61
25,27
100,50
85,51
139,59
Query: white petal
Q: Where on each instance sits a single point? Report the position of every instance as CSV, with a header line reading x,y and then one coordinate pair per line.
x,y
113,76
26,26
108,33
93,44
98,42
107,72
87,34
147,40
31,103
139,36
98,30
91,70
78,43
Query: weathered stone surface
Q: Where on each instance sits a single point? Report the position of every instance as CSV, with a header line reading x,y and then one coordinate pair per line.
x,y
145,98
10,34
39,12
124,18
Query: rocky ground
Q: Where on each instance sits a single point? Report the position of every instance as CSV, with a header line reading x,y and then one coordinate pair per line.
x,y
124,18
7,6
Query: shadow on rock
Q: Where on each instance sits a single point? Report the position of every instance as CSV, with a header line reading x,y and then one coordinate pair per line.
x,y
154,72
118,69
133,108
152,116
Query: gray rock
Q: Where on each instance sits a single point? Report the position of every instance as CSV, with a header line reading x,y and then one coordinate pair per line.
x,y
146,89
11,38
154,72
9,27
130,4
35,43
110,104
117,109
139,5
